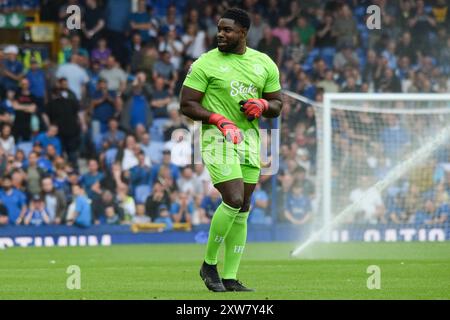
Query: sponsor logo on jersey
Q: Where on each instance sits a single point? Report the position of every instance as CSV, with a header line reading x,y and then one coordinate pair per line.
x,y
238,87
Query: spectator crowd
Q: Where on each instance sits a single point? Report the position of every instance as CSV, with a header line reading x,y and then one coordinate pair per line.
x,y
94,135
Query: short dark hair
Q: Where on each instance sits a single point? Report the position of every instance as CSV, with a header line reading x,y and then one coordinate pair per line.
x,y
238,15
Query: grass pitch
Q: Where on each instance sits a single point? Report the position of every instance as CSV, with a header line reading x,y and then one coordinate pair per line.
x,y
332,271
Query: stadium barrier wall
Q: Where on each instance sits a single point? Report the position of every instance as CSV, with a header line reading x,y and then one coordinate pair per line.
x,y
63,236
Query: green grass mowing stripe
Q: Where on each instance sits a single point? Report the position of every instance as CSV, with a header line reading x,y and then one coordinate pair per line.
x,y
337,271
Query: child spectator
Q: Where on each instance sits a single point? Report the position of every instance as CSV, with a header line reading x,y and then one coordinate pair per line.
x,y
298,206
79,213
36,214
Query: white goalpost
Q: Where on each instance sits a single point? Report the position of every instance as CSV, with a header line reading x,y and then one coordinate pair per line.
x,y
381,158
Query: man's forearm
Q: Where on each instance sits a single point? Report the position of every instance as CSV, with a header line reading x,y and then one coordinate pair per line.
x,y
13,75
274,109
99,26
195,111
22,213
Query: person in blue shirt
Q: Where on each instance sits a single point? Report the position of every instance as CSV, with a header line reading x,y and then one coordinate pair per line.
x,y
6,106
37,214
143,22
61,182
164,216
3,215
117,15
171,19
91,177
81,215
396,212
394,137
45,160
36,78
141,173
298,206
14,200
13,68
113,137
166,161
49,137
211,202
442,214
259,203
182,209
425,215
94,77
103,106
431,213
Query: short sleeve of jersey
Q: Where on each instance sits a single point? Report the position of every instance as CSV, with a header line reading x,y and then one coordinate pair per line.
x,y
273,78
196,77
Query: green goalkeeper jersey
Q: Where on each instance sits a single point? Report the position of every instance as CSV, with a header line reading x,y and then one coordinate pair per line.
x,y
227,78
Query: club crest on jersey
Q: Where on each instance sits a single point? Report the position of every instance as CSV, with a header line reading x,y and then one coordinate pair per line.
x,y
258,69
238,87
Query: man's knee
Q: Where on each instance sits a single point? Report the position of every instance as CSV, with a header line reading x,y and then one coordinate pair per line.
x,y
234,200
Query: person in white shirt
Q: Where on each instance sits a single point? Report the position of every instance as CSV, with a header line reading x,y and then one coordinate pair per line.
x,y
369,201
194,41
186,182
174,46
76,76
152,149
7,142
202,179
180,146
130,154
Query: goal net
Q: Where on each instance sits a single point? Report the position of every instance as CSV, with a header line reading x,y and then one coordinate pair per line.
x,y
381,160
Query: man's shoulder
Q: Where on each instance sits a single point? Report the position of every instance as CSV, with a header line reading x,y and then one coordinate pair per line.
x,y
17,192
209,55
258,55
42,135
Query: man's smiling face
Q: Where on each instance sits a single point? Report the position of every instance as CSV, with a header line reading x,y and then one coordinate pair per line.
x,y
229,34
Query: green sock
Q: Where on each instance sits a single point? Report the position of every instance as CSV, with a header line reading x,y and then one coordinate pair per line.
x,y
234,245
221,224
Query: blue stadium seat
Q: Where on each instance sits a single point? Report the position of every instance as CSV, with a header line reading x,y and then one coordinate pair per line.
x,y
110,156
26,147
312,55
98,140
359,12
141,193
327,54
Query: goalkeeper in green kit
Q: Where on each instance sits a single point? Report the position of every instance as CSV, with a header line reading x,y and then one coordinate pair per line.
x,y
228,89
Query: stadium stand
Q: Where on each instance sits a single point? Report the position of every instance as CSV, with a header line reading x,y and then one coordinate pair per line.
x,y
129,60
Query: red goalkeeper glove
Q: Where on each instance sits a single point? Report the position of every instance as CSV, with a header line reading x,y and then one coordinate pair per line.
x,y
254,108
227,127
